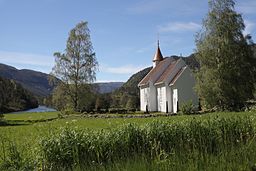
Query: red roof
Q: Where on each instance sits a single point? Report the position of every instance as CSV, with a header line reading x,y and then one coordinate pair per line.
x,y
153,72
167,72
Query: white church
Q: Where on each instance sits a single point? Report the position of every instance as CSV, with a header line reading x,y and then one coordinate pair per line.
x,y
167,86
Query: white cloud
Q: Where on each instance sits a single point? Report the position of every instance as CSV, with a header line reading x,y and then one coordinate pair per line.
x,y
179,26
249,26
127,69
26,59
19,60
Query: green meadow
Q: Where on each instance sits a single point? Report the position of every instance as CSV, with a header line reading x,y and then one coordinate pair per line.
x,y
42,141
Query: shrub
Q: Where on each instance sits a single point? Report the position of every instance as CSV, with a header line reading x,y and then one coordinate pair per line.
x,y
251,106
132,110
187,108
1,116
68,111
118,110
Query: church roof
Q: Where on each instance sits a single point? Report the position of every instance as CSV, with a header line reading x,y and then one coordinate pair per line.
x,y
167,72
175,78
154,72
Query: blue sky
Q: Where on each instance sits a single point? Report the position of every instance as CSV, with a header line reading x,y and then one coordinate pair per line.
x,y
123,33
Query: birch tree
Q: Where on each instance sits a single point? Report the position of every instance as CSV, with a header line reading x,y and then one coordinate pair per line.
x,y
77,66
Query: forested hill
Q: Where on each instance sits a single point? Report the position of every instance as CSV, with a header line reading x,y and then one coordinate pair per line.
x,y
128,95
13,97
108,87
34,81
190,61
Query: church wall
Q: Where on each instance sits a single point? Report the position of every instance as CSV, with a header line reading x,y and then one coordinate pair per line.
x,y
169,98
161,98
185,85
144,98
153,98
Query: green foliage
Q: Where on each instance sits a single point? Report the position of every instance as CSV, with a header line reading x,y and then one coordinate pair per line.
x,y
86,98
13,159
1,116
227,67
128,95
103,101
238,156
67,111
77,66
14,97
187,108
78,147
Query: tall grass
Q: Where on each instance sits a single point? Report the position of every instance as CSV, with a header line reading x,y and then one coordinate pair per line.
x,y
162,141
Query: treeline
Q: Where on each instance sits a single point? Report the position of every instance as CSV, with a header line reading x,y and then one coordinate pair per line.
x,y
13,97
128,96
90,100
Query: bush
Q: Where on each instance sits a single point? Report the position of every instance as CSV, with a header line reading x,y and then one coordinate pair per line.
x,y
1,116
251,106
187,108
132,110
68,111
118,110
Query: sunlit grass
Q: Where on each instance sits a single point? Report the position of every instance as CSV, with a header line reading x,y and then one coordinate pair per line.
x,y
27,136
31,116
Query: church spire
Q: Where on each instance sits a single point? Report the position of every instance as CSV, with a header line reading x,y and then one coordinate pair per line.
x,y
158,55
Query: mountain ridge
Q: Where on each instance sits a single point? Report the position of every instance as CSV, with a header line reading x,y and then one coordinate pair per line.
x,y
37,82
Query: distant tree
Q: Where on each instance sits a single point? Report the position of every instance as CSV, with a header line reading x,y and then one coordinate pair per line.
x,y
103,101
77,66
87,98
227,70
132,102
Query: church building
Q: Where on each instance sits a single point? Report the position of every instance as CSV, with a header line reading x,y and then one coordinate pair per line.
x,y
168,85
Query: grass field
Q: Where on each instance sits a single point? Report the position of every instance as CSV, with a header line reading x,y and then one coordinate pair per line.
x,y
31,128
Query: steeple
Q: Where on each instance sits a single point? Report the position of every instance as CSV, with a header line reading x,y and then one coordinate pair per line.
x,y
158,55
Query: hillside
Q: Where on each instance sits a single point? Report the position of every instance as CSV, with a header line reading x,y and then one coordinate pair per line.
x,y
34,81
108,87
14,97
128,94
37,82
190,61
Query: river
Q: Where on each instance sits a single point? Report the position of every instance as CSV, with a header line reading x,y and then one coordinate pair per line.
x,y
38,109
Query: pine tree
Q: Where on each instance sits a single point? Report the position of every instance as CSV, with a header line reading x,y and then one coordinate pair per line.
x,y
226,76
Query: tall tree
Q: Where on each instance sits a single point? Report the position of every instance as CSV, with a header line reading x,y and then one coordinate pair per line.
x,y
78,64
227,70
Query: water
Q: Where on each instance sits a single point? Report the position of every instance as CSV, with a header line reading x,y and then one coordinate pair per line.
x,y
38,109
